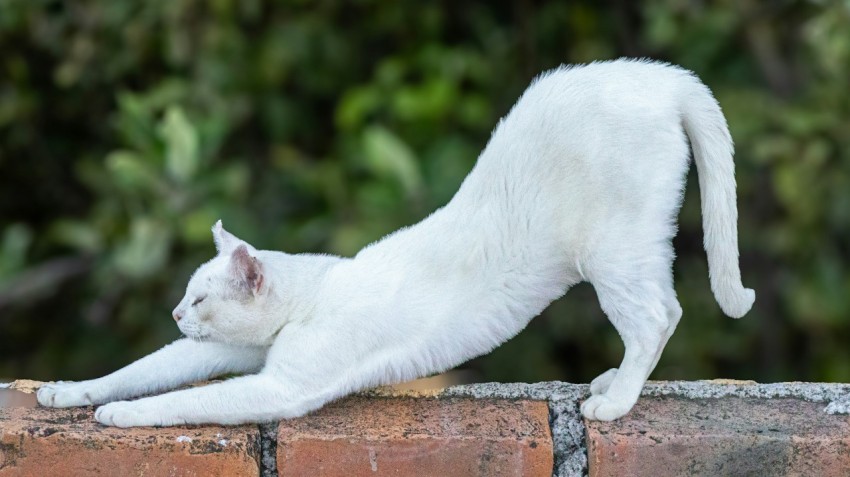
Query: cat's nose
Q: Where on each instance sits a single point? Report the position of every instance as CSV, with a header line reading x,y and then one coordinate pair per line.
x,y
177,315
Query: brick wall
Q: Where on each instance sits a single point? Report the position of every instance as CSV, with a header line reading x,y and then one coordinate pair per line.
x,y
678,428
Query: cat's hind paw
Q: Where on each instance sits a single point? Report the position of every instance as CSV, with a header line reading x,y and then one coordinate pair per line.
x,y
602,382
602,408
62,394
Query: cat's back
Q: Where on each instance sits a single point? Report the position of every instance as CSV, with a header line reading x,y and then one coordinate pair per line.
x,y
623,82
575,123
579,100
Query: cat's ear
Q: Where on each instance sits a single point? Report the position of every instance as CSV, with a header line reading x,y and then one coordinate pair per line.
x,y
247,269
225,242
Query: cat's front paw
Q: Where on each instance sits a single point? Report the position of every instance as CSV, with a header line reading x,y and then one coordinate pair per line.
x,y
124,414
133,414
62,394
602,408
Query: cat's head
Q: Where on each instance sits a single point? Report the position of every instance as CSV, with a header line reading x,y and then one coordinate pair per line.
x,y
228,299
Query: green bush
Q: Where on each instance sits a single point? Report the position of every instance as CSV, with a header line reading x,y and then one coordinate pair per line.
x,y
128,128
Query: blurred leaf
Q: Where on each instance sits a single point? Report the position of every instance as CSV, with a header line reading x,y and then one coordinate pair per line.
x,y
80,235
13,248
356,106
135,123
146,249
181,145
196,226
131,171
388,156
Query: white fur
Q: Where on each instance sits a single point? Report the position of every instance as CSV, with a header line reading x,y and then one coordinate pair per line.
x,y
582,181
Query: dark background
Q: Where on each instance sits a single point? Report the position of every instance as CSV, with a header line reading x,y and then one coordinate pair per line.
x,y
128,128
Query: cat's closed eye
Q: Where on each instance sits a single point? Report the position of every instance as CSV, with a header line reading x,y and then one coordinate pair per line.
x,y
199,299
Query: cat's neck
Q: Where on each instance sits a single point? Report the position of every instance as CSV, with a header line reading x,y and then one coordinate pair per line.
x,y
294,282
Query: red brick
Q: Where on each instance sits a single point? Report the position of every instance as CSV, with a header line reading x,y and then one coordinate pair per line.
x,y
729,436
69,442
418,437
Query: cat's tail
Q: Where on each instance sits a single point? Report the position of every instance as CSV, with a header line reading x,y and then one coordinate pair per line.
x,y
712,148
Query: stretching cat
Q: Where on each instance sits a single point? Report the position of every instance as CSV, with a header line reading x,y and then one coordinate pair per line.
x,y
581,181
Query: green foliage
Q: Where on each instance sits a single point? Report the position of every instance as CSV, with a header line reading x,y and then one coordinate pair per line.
x,y
128,128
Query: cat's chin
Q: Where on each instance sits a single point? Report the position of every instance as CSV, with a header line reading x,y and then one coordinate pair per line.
x,y
198,337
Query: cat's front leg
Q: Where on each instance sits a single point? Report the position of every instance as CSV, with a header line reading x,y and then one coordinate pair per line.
x,y
306,367
240,400
182,362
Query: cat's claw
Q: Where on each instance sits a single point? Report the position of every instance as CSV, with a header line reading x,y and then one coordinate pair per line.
x,y
64,394
601,383
602,408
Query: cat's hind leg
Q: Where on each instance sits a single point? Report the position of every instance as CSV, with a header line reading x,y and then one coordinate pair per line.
x,y
601,383
640,303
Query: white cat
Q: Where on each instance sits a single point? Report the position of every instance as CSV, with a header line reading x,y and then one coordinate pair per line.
x,y
581,181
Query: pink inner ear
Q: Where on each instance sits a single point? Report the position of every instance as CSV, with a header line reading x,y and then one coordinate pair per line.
x,y
247,268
